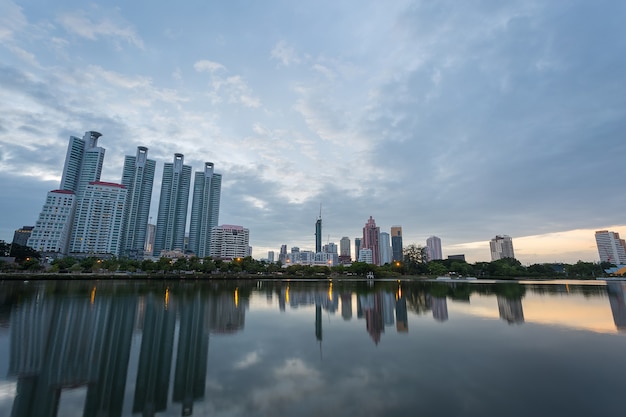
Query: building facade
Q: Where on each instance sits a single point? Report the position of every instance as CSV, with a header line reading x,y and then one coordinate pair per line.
x,y
385,248
229,242
205,209
20,236
371,239
501,247
53,229
396,244
137,177
610,247
173,204
433,248
98,220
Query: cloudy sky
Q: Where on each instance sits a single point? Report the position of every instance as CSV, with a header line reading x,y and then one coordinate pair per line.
x,y
457,119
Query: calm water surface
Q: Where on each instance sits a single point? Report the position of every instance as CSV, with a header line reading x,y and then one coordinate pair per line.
x,y
272,348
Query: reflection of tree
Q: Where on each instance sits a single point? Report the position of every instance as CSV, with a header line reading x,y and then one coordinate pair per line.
x,y
416,301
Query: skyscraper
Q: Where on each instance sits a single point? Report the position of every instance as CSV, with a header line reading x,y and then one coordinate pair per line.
x,y
385,248
53,228
318,233
501,247
55,231
357,248
98,222
205,209
396,244
433,248
137,177
173,203
344,250
610,247
371,239
83,163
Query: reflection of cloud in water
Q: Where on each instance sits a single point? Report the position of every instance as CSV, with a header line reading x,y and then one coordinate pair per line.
x,y
250,359
294,380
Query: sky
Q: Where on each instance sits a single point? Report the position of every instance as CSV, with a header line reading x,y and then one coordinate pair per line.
x,y
463,120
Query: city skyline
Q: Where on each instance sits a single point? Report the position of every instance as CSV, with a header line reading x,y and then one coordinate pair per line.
x,y
373,117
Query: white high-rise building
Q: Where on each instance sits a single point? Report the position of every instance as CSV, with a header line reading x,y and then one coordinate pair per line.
x,y
98,220
205,209
270,256
137,177
610,247
173,204
83,164
433,248
501,247
365,255
52,230
229,242
344,247
385,248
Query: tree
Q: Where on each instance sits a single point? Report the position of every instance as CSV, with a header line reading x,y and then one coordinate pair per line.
x,y
415,257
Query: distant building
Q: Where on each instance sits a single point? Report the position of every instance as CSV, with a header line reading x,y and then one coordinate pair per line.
x,y
357,247
229,242
396,244
501,247
371,239
457,257
330,248
20,236
385,248
270,256
365,255
318,233
282,255
610,247
344,250
433,248
150,230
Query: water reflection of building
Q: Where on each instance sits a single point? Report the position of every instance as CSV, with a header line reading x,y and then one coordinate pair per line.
x,y
510,309
192,354
227,313
439,306
67,343
346,306
372,308
402,320
155,357
617,299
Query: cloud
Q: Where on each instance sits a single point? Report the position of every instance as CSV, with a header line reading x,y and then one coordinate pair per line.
x,y
12,20
79,23
249,360
285,54
208,66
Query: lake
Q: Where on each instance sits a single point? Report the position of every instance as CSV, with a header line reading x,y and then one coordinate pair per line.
x,y
312,348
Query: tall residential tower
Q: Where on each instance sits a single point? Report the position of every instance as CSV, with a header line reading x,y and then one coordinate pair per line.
x,y
610,247
137,177
173,203
501,247
205,209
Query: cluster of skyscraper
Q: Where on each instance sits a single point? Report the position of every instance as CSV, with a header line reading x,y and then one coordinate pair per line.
x,y
373,247
89,216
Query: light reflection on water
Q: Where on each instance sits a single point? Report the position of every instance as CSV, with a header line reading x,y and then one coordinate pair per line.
x,y
308,348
